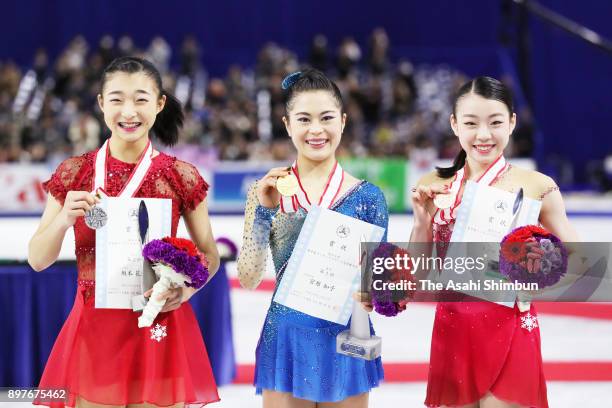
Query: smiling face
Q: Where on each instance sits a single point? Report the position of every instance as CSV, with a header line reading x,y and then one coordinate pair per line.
x,y
315,123
130,103
483,127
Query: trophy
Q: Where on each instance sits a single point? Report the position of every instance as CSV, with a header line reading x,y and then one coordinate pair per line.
x,y
148,274
357,342
493,249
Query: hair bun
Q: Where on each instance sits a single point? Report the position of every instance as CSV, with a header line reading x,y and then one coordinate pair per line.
x,y
290,79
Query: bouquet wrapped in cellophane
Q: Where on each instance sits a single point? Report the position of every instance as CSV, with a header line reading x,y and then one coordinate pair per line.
x,y
177,262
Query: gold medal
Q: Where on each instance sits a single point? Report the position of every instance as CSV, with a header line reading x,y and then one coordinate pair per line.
x,y
287,185
444,201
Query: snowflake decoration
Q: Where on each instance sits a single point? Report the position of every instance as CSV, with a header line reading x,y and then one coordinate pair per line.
x,y
158,332
529,322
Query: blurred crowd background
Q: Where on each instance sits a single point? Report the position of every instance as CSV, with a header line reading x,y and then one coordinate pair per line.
x,y
49,111
396,63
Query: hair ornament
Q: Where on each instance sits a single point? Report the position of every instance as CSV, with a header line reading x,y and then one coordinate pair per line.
x,y
290,79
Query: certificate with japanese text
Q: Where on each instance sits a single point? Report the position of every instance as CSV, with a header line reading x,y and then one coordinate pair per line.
x,y
485,214
323,271
119,260
484,217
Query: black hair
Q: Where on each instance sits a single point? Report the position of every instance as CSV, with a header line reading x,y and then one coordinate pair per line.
x,y
489,88
309,80
170,119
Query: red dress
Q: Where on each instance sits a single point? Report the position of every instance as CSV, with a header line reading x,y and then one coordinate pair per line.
x,y
480,347
101,355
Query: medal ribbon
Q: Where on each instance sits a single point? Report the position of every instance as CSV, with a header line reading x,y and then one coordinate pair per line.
x,y
300,199
136,178
448,215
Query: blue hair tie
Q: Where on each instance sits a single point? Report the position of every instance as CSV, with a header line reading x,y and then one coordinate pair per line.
x,y
290,80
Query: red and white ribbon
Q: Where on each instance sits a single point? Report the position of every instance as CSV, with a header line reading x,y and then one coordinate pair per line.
x,y
448,215
301,199
136,178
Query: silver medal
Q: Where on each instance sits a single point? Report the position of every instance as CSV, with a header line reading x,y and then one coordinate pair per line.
x,y
96,218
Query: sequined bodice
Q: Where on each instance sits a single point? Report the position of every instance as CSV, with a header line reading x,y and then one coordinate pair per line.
x,y
280,231
442,236
167,178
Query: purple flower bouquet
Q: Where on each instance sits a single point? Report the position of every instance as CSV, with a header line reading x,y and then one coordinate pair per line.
x,y
177,263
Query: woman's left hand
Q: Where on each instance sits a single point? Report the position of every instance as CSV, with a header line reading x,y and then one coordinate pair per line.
x,y
534,256
365,299
174,298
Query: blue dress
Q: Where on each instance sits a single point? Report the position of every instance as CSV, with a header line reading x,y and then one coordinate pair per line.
x,y
296,352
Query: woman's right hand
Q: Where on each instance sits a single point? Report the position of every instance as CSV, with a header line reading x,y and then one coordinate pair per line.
x,y
365,299
421,200
267,194
76,204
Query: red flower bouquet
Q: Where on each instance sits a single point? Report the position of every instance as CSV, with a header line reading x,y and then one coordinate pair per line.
x,y
531,254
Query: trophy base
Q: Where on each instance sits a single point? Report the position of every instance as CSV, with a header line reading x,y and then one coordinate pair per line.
x,y
368,349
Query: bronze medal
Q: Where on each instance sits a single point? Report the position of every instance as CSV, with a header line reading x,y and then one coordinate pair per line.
x,y
444,201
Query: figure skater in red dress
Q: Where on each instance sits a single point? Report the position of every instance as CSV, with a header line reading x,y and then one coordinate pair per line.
x,y
101,357
481,355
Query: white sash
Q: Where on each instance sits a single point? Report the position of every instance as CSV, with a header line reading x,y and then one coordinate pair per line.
x,y
448,215
300,199
136,178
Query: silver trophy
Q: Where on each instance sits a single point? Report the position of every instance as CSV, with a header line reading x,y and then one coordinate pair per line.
x,y
357,342
493,249
148,274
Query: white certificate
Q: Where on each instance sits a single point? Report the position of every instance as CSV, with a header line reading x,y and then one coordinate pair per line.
x,y
485,216
323,271
119,260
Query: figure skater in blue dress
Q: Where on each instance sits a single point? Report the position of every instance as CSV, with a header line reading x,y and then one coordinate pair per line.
x,y
296,360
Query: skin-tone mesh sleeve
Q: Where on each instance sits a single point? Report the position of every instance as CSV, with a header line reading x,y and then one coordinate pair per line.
x,y
255,240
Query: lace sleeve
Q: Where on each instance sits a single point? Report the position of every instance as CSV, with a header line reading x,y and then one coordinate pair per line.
x,y
192,187
378,213
255,240
64,178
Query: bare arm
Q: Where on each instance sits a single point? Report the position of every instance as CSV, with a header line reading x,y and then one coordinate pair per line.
x,y
423,208
554,219
46,243
421,237
197,222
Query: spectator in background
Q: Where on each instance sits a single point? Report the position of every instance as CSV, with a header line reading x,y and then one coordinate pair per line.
x,y
126,46
159,53
190,56
106,49
378,58
319,53
41,64
84,133
523,137
349,55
